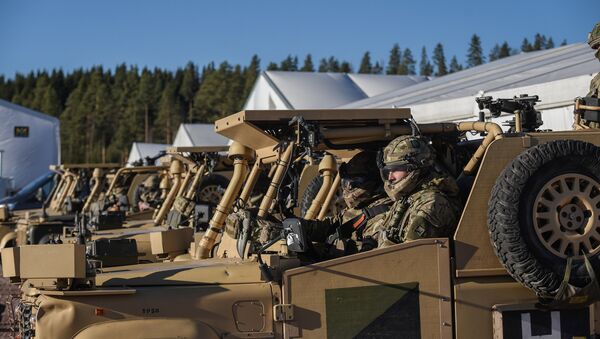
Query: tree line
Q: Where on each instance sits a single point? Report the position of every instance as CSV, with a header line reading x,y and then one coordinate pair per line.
x,y
102,111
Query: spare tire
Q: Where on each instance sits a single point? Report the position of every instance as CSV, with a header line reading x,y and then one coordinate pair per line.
x,y
545,208
211,190
312,189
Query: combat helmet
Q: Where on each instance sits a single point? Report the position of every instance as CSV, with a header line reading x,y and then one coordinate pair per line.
x,y
360,182
408,153
594,37
152,181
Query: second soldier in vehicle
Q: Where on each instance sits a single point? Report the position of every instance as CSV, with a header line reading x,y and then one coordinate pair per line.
x,y
366,201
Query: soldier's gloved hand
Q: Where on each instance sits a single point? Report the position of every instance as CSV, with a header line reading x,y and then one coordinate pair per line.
x,y
317,230
368,244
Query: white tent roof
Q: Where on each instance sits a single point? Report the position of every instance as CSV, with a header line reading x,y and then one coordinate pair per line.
x,y
305,90
27,157
520,70
141,150
199,135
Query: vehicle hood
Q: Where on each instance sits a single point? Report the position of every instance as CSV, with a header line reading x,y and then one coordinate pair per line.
x,y
191,272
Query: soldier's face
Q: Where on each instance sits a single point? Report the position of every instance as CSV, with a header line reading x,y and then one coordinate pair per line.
x,y
395,176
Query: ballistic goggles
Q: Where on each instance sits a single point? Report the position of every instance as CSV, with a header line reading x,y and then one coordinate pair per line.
x,y
385,170
351,180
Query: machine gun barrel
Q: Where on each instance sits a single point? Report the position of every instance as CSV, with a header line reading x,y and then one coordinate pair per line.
x,y
523,106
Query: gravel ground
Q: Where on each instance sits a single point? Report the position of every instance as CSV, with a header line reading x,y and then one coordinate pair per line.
x,y
6,291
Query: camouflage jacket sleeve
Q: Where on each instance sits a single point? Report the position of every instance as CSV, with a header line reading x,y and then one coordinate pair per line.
x,y
431,214
594,86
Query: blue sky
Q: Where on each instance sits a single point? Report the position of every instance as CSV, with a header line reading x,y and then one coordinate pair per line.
x,y
78,33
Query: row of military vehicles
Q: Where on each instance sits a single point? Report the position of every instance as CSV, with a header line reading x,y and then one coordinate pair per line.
x,y
520,263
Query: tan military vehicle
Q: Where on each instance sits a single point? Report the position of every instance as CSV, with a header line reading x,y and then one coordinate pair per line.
x,y
66,198
191,186
519,264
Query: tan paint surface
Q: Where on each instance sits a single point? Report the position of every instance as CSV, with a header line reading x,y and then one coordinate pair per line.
x,y
305,286
474,253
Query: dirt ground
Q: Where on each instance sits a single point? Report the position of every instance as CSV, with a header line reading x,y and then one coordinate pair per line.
x,y
7,292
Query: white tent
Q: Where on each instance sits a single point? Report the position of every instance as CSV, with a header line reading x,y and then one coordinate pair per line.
x,y
29,143
305,90
557,76
141,150
199,135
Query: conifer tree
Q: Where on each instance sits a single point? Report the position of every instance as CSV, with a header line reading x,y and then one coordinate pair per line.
x,y
308,64
272,67
323,65
549,43
289,64
454,65
73,124
539,42
189,86
526,46
475,53
365,64
393,66
146,100
408,62
494,53
234,98
564,42
505,50
50,102
57,81
345,67
42,81
439,60
425,67
5,88
168,113
333,65
251,74
377,68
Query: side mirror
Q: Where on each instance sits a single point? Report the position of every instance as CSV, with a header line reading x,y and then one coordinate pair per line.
x,y
295,235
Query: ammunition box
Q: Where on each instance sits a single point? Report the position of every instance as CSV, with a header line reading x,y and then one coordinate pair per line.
x,y
52,261
170,241
113,252
108,220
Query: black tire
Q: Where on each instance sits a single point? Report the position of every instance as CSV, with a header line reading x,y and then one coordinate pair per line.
x,y
311,193
524,243
211,190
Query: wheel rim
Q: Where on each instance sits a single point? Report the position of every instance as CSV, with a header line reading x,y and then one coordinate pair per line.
x,y
566,215
211,194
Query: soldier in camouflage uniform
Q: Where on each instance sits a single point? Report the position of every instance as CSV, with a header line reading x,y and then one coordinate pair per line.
x,y
426,199
366,203
147,195
594,42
